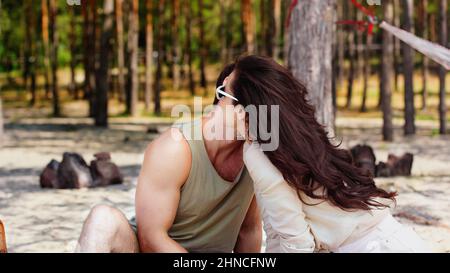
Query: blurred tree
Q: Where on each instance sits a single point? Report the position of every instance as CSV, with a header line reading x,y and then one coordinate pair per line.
x,y
159,42
386,74
351,58
148,54
120,49
397,44
26,44
269,30
224,5
263,23
367,72
359,48
408,69
30,50
133,51
203,50
89,37
443,37
248,21
85,15
72,46
310,54
423,15
188,49
53,10
286,34
45,42
176,51
340,45
102,77
277,28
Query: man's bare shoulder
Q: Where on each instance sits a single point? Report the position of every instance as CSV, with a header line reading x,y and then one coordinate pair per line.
x,y
169,155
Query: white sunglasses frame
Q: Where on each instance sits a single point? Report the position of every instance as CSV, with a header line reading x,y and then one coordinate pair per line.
x,y
221,92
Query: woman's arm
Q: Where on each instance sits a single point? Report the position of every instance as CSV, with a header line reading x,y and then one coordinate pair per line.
x,y
279,203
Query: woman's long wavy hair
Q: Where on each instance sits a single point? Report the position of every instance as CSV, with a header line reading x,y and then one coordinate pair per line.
x,y
306,157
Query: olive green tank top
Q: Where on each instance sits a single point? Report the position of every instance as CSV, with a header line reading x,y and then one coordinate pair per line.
x,y
211,210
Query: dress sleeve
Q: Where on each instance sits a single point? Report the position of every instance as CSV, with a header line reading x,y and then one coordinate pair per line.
x,y
281,208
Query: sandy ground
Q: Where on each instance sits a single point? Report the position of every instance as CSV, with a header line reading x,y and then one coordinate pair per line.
x,y
40,220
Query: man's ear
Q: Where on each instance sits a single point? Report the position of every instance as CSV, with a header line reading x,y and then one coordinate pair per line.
x,y
225,81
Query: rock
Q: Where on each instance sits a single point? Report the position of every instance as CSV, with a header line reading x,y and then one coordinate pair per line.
x,y
73,172
396,166
364,157
49,176
105,172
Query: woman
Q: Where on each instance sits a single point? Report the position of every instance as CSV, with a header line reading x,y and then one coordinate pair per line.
x,y
311,195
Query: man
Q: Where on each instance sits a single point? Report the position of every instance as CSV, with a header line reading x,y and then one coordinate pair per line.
x,y
193,195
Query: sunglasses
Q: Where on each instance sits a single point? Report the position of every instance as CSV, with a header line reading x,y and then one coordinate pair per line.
x,y
220,93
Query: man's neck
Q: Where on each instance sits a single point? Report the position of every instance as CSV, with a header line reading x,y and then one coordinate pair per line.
x,y
225,155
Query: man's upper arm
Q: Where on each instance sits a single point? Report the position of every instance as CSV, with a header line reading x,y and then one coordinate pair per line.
x,y
166,167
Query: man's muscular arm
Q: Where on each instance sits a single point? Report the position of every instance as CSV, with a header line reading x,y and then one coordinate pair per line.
x,y
165,169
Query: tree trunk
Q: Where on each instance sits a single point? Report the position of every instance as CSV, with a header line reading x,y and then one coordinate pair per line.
x,y
425,60
73,62
286,35
53,9
149,55
351,72
262,50
270,39
359,49
223,29
340,46
310,54
159,41
102,76
45,42
248,21
188,14
277,28
91,55
133,47
120,49
351,55
26,45
32,50
386,74
203,52
267,23
367,72
334,68
443,5
397,44
408,69
85,14
176,51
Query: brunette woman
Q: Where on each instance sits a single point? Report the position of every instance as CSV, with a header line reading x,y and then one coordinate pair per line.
x,y
311,195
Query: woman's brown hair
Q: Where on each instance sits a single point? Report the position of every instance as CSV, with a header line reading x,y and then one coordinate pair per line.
x,y
306,157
